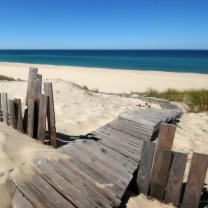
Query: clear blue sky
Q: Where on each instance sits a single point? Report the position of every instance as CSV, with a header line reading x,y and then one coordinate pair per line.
x,y
103,24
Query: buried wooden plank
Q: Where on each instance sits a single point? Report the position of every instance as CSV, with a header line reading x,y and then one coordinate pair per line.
x,y
92,181
52,194
195,181
11,114
120,178
145,167
160,171
5,108
82,185
30,124
30,87
19,201
18,114
175,179
63,186
51,114
42,117
36,198
166,136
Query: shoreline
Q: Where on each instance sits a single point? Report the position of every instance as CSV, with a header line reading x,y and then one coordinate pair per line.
x,y
110,80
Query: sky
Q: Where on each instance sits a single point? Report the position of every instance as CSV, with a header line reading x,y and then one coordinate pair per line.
x,y
104,24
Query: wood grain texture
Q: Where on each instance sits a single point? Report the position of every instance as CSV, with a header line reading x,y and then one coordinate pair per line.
x,y
161,167
195,181
175,180
11,113
43,101
145,167
5,108
166,136
51,114
18,114
30,87
19,201
31,110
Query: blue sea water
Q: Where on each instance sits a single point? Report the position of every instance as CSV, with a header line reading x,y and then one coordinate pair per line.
x,y
192,61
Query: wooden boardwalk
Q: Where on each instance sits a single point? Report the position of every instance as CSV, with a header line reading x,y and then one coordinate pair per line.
x,y
100,167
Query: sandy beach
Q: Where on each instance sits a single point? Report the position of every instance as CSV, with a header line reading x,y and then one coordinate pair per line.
x,y
79,111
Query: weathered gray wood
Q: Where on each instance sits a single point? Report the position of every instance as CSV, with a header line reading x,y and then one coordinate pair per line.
x,y
19,201
30,88
166,136
145,167
47,190
31,109
175,180
63,186
195,181
0,108
51,114
11,113
160,171
18,114
5,108
43,101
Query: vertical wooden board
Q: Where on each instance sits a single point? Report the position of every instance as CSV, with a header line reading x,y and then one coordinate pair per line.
x,y
51,114
145,166
5,108
25,120
0,107
37,92
166,136
18,114
175,180
30,124
11,113
195,181
30,88
161,167
42,117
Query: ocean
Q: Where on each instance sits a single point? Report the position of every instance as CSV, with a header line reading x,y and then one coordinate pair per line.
x,y
192,61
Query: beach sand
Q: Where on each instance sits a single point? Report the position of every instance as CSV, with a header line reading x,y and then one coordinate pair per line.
x,y
78,112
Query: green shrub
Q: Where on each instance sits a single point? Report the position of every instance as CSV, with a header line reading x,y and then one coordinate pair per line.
x,y
2,77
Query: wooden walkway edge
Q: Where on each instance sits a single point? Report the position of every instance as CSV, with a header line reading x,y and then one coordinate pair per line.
x,y
100,167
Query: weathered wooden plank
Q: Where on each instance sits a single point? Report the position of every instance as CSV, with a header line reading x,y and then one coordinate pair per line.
x,y
19,201
36,198
82,185
30,124
5,108
0,108
145,167
11,113
92,182
18,114
175,180
30,87
119,178
51,114
48,191
195,181
160,171
42,117
64,187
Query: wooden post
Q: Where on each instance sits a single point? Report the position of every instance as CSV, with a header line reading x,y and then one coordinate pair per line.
x,y
145,166
161,167
18,114
42,117
51,114
175,180
195,181
11,114
0,107
31,108
166,136
5,108
30,88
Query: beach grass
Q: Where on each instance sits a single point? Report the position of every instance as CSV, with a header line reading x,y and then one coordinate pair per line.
x,y
5,78
196,100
